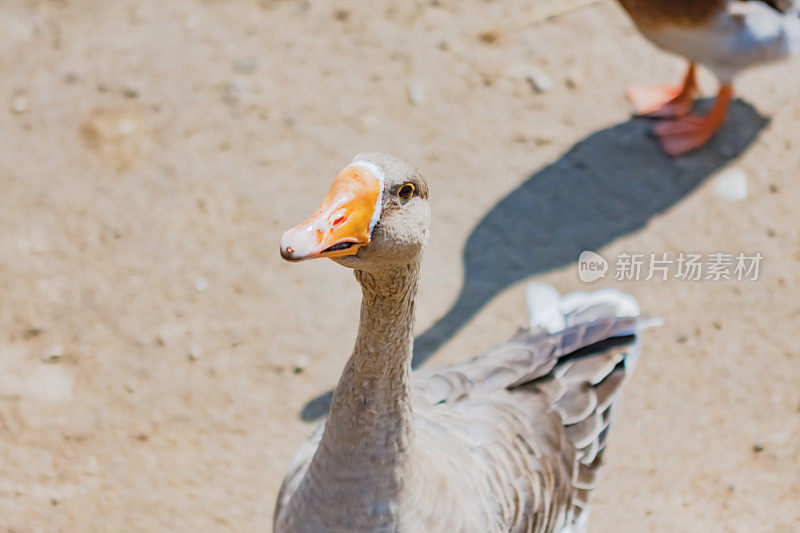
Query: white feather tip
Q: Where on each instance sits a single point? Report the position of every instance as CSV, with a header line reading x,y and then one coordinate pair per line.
x,y
546,307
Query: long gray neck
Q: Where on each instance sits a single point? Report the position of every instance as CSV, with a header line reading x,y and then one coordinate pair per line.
x,y
367,440
371,408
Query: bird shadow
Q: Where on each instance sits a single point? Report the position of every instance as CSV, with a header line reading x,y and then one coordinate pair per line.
x,y
607,185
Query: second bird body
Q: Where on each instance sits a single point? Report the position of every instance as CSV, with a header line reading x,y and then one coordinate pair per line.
x,y
727,36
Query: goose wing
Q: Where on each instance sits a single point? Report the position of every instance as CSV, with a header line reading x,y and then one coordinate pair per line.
x,y
296,471
537,410
530,354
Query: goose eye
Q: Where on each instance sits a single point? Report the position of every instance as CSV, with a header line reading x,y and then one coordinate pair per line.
x,y
406,191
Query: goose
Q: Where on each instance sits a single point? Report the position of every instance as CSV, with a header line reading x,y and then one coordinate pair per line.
x,y
726,36
509,441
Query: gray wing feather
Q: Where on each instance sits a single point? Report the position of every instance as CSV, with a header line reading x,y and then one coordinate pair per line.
x,y
570,378
529,355
576,404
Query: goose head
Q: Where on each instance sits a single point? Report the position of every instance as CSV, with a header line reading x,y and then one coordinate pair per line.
x,y
375,215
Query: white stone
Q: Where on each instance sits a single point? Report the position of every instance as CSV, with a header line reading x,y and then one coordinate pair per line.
x,y
540,82
19,104
200,283
731,185
416,93
300,364
195,352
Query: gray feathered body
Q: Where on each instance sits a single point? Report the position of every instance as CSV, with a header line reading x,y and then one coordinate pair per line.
x,y
510,441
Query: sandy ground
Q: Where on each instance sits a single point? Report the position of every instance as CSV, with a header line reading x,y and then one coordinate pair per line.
x,y
152,153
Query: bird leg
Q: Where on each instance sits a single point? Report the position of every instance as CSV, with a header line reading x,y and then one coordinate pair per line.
x,y
665,101
687,133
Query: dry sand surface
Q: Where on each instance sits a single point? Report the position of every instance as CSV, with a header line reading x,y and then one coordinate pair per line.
x,y
157,356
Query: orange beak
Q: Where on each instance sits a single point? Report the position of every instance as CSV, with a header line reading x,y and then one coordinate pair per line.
x,y
344,221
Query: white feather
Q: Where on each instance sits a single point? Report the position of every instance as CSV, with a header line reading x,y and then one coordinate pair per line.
x,y
544,304
547,308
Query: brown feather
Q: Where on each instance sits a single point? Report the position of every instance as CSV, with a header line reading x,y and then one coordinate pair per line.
x,y
576,404
655,13
606,390
782,6
589,369
585,431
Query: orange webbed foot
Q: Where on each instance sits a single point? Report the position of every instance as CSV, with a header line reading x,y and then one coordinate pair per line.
x,y
660,101
690,132
684,134
665,101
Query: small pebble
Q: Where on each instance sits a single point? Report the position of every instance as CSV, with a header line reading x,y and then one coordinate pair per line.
x,y
70,77
126,126
570,83
289,118
195,352
731,185
489,36
30,333
416,93
130,92
235,339
53,353
233,92
19,104
245,65
300,364
758,448
539,82
200,283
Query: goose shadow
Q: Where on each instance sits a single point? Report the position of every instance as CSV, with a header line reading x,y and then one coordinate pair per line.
x,y
607,185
